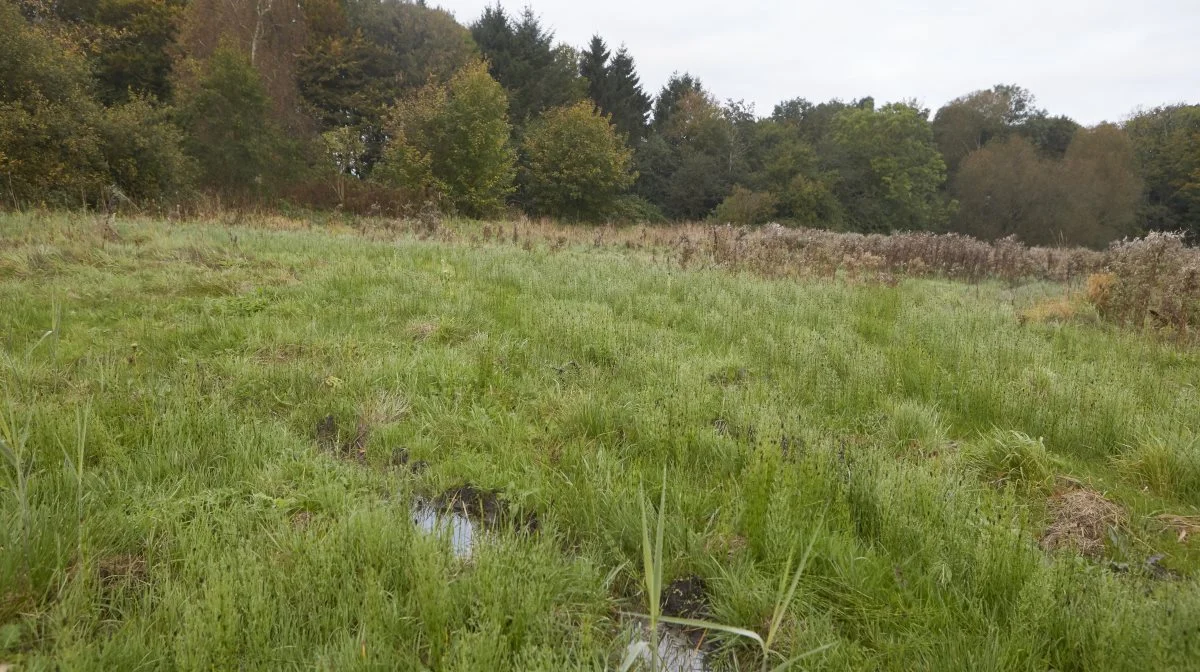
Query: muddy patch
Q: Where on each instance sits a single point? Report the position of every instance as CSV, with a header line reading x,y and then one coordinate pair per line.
x,y
119,570
1081,520
686,597
349,445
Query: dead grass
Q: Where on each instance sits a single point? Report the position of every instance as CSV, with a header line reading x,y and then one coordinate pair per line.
x,y
1080,520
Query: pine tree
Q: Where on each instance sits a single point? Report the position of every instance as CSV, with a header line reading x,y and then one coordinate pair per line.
x,y
522,57
628,103
593,66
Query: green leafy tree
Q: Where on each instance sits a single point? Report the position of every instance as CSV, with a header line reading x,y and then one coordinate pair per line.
x,y
451,143
143,152
575,163
226,115
50,147
890,171
690,163
344,148
1101,180
1166,143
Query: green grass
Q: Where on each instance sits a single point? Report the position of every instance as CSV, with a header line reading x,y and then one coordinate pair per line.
x,y
166,504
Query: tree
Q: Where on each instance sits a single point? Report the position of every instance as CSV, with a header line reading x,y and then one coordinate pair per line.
x,y
890,171
1101,180
575,163
1009,189
135,56
360,57
1087,198
690,163
451,143
969,122
50,149
344,148
672,92
593,67
226,114
627,103
271,34
521,56
1166,143
143,152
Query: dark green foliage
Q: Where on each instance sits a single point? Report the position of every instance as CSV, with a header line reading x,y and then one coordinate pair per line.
x,y
574,164
889,170
616,89
672,92
1167,144
227,117
135,53
521,56
50,150
745,207
143,151
689,163
362,56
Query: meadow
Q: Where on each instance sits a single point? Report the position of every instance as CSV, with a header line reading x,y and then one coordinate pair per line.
x,y
252,444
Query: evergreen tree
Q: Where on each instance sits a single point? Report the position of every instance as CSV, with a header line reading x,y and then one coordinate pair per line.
x,y
627,103
593,66
672,92
521,56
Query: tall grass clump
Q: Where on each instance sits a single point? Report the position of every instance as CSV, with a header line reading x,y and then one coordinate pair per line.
x,y
1168,465
1012,457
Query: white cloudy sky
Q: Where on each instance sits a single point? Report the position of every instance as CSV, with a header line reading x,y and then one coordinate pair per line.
x,y
1093,60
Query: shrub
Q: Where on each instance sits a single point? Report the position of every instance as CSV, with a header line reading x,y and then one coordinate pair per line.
x,y
143,151
49,146
225,111
574,163
450,144
1153,280
745,207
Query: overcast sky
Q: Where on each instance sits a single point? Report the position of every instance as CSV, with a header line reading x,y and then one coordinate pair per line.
x,y
1093,60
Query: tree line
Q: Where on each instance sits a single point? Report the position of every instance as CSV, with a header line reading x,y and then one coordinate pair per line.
x,y
393,106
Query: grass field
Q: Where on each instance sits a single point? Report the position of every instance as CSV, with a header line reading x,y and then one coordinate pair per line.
x,y
215,436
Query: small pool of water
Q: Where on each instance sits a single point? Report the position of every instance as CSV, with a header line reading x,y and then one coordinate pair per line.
x,y
456,526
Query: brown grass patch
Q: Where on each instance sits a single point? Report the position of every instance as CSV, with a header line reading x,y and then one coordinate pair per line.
x,y
1081,520
421,331
1052,311
115,570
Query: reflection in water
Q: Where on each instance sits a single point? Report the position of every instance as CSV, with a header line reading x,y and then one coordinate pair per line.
x,y
458,527
677,652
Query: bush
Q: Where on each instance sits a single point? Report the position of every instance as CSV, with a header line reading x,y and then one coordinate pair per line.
x,y
1153,280
449,144
745,207
226,114
632,209
143,151
574,163
49,146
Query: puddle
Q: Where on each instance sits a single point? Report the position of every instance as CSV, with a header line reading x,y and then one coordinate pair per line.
x,y
678,650
445,523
